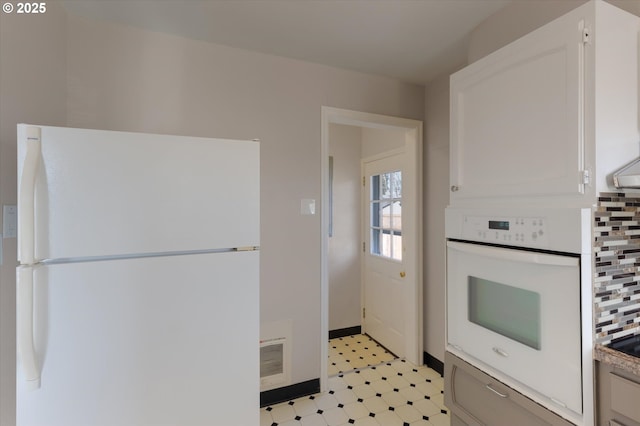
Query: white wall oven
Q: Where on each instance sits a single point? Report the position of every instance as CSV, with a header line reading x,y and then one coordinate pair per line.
x,y
514,299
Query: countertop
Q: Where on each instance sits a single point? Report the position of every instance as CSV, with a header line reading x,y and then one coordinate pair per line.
x,y
617,359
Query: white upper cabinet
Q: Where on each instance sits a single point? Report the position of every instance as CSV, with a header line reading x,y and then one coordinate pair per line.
x,y
524,118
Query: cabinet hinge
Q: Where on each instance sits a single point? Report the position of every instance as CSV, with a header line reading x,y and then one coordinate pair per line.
x,y
362,180
586,177
363,249
364,314
586,33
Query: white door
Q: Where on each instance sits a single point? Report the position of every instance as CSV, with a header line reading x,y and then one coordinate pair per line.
x,y
385,286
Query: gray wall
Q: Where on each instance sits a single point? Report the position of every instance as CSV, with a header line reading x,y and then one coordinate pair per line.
x,y
33,73
343,258
522,17
378,141
436,198
83,73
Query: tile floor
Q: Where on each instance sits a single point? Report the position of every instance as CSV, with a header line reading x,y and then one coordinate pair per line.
x,y
353,352
366,392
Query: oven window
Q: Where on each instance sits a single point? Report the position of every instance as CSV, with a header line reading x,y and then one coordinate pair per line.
x,y
509,311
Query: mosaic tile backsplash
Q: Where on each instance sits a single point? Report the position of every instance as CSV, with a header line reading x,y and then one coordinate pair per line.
x,y
617,266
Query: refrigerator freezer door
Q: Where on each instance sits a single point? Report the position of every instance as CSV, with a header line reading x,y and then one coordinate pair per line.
x,y
103,193
24,331
146,342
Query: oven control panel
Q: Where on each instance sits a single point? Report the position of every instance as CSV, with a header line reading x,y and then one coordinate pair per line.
x,y
519,231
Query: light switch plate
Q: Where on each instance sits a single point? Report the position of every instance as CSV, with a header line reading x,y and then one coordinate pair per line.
x,y
308,206
10,221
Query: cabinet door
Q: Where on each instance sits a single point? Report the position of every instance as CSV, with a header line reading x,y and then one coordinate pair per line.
x,y
516,117
617,397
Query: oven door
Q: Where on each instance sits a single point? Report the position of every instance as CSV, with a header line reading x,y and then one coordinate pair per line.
x,y
516,313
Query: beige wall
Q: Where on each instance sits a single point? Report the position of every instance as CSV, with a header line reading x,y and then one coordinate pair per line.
x,y
436,198
522,17
32,89
343,257
82,73
377,141
514,21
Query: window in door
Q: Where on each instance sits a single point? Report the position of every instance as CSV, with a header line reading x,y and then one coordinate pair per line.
x,y
386,215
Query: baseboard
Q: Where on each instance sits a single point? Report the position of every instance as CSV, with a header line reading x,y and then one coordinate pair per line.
x,y
343,332
288,393
433,363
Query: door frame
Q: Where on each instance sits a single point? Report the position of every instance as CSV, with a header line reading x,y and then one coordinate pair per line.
x,y
413,151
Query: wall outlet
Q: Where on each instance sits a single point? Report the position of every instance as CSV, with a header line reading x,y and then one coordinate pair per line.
x,y
10,221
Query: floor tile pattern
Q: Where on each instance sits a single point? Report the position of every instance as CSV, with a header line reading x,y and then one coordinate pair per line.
x,y
352,352
395,393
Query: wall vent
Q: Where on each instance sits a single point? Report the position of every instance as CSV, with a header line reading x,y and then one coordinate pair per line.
x,y
272,363
275,355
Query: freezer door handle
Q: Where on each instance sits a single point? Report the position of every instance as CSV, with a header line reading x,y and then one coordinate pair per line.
x,y
24,307
26,196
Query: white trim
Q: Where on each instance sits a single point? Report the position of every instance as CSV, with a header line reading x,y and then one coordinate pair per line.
x,y
413,146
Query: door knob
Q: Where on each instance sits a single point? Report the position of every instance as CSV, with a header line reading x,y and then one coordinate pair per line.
x,y
402,274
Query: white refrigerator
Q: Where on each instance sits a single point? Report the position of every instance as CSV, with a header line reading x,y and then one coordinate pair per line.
x,y
137,290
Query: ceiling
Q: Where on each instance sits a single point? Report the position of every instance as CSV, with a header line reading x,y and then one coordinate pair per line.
x,y
411,40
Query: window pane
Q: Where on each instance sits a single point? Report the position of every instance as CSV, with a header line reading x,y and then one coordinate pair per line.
x,y
376,243
375,215
397,246
385,249
386,214
396,216
396,178
375,187
385,185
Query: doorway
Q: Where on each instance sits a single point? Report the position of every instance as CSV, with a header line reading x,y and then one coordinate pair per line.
x,y
409,293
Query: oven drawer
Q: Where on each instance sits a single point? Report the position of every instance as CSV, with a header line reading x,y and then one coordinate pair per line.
x,y
475,398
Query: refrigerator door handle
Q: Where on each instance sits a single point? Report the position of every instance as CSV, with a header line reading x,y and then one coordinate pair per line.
x,y
26,196
24,308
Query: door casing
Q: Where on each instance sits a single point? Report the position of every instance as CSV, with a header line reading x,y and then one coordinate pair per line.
x,y
412,184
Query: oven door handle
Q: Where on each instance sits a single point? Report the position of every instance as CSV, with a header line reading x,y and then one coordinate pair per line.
x,y
513,255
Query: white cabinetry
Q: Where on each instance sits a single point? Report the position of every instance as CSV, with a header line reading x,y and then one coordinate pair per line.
x,y
550,116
